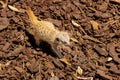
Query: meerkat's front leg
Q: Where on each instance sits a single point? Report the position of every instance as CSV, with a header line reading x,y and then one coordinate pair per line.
x,y
54,47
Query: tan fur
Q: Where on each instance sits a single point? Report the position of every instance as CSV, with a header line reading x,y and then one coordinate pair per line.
x,y
45,30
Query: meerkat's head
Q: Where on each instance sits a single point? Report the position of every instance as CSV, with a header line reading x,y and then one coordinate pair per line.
x,y
63,37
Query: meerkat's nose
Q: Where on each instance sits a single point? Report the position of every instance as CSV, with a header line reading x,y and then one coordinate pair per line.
x,y
67,43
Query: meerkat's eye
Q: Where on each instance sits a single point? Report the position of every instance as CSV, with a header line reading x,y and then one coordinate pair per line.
x,y
64,42
57,40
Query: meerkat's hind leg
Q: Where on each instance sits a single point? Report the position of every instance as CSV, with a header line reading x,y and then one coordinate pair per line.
x,y
37,40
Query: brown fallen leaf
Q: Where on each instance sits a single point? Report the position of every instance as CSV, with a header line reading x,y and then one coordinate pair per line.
x,y
4,3
103,74
75,75
116,1
94,25
55,1
16,9
74,40
65,61
8,63
6,46
111,49
1,67
94,61
54,21
113,68
15,52
19,69
85,78
100,51
54,78
3,23
52,74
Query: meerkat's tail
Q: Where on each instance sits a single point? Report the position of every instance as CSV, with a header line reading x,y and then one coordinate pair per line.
x,y
32,17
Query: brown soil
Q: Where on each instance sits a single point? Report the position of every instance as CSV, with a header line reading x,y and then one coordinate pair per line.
x,y
21,59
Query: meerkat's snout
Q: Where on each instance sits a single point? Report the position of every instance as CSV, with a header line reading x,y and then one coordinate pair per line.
x,y
63,37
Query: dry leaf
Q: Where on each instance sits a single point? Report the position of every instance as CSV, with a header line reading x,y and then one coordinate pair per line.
x,y
79,70
75,75
94,25
19,69
85,78
75,24
95,62
1,66
74,40
65,61
109,59
54,78
117,1
4,4
4,22
82,78
15,9
52,74
8,63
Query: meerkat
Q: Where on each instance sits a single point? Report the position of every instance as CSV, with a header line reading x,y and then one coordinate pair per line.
x,y
46,31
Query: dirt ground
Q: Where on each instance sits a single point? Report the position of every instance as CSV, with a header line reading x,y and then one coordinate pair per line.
x,y
94,50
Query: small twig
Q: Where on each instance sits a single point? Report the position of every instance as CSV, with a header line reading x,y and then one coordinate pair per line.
x,y
116,1
83,30
111,22
92,39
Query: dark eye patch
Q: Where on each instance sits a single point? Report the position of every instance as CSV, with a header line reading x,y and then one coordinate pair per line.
x,y
57,39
